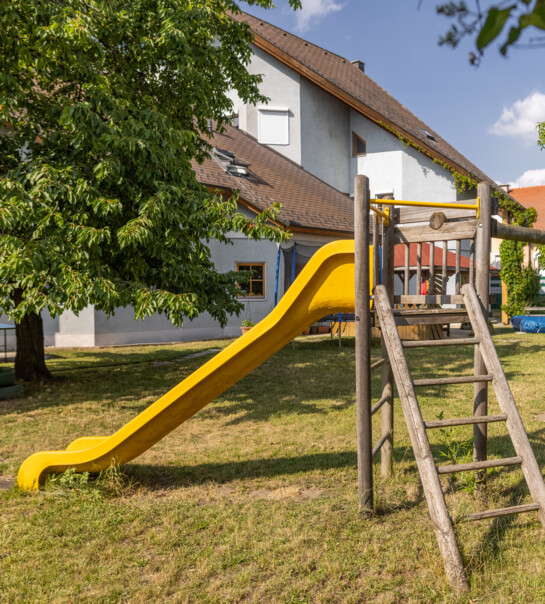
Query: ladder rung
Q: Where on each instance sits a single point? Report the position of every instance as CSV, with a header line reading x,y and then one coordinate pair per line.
x,y
464,421
378,364
379,403
463,379
514,509
442,342
479,465
378,446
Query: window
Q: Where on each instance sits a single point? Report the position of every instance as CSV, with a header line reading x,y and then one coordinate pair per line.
x,y
230,162
273,126
359,146
255,285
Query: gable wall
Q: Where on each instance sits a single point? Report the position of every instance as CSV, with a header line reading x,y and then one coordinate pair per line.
x,y
383,162
281,85
325,136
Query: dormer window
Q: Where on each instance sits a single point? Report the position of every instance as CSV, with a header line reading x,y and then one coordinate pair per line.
x,y
231,163
359,146
273,126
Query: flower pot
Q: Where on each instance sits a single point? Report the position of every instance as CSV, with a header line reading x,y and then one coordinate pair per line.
x,y
245,329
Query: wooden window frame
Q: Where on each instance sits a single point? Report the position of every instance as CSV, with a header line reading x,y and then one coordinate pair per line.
x,y
356,138
251,296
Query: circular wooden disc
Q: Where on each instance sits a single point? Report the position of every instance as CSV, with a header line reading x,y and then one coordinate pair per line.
x,y
437,220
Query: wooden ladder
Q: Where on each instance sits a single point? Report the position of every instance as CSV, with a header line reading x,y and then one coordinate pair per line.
x,y
429,471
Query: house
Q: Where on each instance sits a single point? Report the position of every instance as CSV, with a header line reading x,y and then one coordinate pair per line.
x,y
326,121
329,117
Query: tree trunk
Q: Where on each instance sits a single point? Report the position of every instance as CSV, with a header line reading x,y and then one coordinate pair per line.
x,y
30,360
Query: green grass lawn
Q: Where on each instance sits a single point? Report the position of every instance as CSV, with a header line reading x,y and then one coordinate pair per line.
x,y
255,498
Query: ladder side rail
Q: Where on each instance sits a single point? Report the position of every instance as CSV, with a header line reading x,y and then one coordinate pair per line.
x,y
433,491
387,377
521,444
482,285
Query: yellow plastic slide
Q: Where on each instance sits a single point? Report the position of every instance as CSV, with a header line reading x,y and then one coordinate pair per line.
x,y
325,285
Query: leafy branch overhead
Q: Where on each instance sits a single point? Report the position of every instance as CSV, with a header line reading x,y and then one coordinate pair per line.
x,y
507,21
105,105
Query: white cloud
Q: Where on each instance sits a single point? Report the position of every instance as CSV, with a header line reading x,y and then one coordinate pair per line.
x,y
530,178
312,11
520,119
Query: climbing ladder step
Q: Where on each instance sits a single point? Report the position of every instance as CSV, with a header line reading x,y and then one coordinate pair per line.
x,y
514,509
429,316
463,379
442,342
379,403
479,465
465,421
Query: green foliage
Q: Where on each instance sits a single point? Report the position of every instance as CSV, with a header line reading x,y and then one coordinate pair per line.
x,y
523,282
106,103
486,25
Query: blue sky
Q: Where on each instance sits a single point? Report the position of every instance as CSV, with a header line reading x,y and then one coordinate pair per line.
x,y
488,112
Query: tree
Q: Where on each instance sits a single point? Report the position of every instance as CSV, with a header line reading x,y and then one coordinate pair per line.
x,y
507,20
105,103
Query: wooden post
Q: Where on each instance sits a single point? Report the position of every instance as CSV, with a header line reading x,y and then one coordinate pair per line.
x,y
363,346
376,244
482,285
387,377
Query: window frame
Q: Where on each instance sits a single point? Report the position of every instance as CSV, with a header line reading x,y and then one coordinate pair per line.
x,y
355,139
250,295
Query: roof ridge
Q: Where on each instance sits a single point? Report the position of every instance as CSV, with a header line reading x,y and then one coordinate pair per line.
x,y
295,36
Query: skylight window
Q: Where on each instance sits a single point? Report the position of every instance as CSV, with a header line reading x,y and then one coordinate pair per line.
x,y
231,163
428,134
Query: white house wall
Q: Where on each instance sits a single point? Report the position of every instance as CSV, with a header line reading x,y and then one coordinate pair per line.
x,y
281,85
382,163
325,129
424,180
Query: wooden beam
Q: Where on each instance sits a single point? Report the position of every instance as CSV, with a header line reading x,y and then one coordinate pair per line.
x,y
482,287
450,231
423,214
363,346
428,299
516,233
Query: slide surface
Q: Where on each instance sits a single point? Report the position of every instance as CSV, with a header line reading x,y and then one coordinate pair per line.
x,y
325,285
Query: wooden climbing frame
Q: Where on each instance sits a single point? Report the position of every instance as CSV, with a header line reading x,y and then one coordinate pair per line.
x,y
455,227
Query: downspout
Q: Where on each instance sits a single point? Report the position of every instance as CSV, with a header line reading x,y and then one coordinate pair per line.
x,y
277,274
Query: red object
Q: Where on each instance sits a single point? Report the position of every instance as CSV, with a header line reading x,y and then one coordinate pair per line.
x,y
424,288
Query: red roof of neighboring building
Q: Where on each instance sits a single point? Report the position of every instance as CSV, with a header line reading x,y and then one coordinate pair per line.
x,y
399,256
532,197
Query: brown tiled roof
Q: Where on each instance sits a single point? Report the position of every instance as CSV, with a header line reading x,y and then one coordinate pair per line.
x,y
307,201
532,197
348,82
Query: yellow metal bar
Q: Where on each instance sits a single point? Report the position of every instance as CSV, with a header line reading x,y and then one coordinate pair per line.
x,y
384,215
428,204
